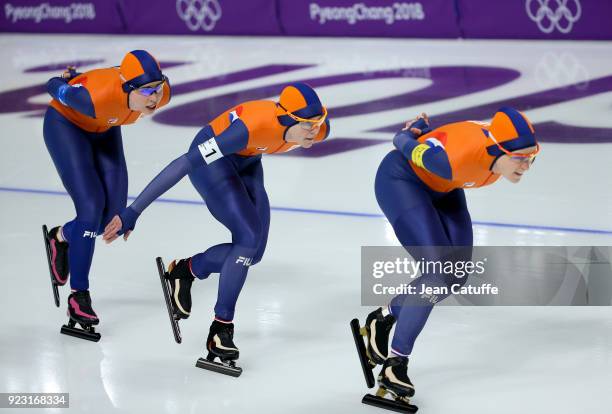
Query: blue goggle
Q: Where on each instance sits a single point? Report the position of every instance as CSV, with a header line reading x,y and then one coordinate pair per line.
x,y
149,90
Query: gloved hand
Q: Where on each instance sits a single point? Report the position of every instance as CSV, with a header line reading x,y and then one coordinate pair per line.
x,y
70,73
419,126
121,224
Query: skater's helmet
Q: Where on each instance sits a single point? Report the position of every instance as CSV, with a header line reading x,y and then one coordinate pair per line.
x,y
138,68
299,102
510,131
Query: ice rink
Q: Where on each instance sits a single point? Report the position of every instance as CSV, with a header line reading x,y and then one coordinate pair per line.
x,y
292,317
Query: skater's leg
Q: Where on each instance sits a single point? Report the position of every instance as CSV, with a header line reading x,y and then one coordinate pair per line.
x,y
72,153
209,261
203,179
453,211
445,222
409,206
455,217
419,226
234,209
229,202
112,169
213,258
253,178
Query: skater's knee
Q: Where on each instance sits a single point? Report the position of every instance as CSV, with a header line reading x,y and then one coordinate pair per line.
x,y
259,254
256,259
111,209
91,208
250,234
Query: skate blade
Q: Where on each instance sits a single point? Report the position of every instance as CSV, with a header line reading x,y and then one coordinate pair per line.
x,y
176,330
399,406
366,365
56,297
90,334
222,368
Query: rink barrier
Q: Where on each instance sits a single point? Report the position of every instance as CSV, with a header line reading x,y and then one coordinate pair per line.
x,y
518,19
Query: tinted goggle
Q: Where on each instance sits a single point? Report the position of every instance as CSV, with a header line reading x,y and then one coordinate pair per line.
x,y
529,157
308,123
150,90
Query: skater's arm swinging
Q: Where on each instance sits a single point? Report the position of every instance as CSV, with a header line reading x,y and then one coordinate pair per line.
x,y
232,139
166,179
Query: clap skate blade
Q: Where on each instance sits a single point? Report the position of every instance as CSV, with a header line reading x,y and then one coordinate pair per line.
x,y
367,365
224,367
84,332
163,277
397,404
56,296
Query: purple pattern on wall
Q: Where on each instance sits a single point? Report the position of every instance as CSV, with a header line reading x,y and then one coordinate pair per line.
x,y
233,77
547,131
63,65
16,100
171,64
333,146
535,19
447,82
59,67
390,18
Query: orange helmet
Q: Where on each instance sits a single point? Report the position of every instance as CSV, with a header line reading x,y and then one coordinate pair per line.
x,y
301,101
138,68
511,130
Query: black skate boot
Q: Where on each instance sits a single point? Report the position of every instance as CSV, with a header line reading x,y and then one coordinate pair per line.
x,y
393,380
394,377
377,329
176,285
180,280
57,258
376,334
220,341
220,344
81,312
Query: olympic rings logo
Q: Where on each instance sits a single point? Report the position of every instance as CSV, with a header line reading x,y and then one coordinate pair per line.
x,y
199,14
554,70
562,18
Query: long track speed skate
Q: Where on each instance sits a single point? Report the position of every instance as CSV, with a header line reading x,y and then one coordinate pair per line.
x,y
86,331
399,404
82,314
54,284
172,313
220,344
227,367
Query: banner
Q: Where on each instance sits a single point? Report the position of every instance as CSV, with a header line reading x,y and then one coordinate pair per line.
x,y
61,16
424,18
536,19
516,19
202,17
